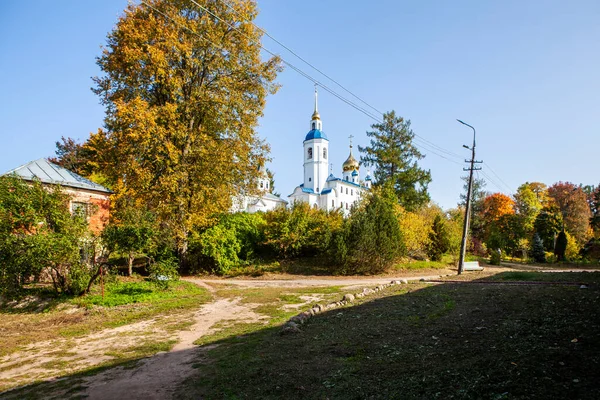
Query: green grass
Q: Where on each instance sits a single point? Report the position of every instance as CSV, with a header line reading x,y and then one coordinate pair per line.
x,y
124,303
420,341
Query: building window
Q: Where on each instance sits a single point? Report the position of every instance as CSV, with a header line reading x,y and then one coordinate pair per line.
x,y
346,192
310,152
261,185
267,184
346,178
317,190
309,179
332,203
351,192
314,125
346,206
81,209
325,153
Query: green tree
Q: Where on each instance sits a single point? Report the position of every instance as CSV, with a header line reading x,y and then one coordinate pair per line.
x,y
131,232
371,239
529,201
395,157
183,92
537,251
37,233
439,240
547,225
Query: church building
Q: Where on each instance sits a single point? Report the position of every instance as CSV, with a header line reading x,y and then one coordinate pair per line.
x,y
320,188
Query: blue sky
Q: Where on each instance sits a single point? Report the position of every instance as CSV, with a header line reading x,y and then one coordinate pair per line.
x,y
524,73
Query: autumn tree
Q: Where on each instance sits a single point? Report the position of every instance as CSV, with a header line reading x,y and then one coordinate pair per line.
x,y
395,157
571,200
439,240
183,90
547,225
529,201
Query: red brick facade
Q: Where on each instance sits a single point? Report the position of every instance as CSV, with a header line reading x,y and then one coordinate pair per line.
x,y
98,206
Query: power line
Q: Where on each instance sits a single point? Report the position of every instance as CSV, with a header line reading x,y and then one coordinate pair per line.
x,y
497,176
425,144
434,148
302,59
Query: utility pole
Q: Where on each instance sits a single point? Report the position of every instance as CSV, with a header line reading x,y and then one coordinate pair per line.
x,y
463,244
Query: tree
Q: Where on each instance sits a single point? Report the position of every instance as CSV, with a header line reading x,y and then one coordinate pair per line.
x,y
183,92
131,232
495,206
370,239
271,176
547,225
571,200
439,241
529,201
537,252
395,157
561,246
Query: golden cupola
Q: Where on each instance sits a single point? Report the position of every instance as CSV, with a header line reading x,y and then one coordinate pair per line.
x,y
351,164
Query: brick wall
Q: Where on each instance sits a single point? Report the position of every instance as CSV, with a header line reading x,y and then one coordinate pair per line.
x,y
98,203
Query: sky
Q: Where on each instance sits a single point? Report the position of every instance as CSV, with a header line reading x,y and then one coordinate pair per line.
x,y
525,74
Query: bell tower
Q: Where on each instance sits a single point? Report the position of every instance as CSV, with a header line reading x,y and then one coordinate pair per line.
x,y
316,153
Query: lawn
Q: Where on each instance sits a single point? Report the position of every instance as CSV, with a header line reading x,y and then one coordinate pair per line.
x,y
447,341
39,317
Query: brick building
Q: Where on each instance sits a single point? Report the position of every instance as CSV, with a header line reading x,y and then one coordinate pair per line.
x,y
86,196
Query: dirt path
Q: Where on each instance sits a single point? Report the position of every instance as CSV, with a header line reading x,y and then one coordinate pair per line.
x,y
157,377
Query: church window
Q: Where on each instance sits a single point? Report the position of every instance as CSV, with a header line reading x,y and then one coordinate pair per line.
x,y
346,190
346,206
351,192
346,178
267,184
332,203
325,153
309,179
310,152
261,185
314,125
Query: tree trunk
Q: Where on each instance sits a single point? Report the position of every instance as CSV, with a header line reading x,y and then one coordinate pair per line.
x,y
130,263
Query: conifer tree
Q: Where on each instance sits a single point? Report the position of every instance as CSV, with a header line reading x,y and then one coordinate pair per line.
x,y
395,157
561,246
538,252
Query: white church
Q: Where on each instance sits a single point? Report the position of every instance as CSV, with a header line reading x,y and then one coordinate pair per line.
x,y
322,189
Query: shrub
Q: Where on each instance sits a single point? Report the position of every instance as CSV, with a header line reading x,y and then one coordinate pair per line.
x,y
371,239
37,233
496,257
163,272
233,240
301,230
439,241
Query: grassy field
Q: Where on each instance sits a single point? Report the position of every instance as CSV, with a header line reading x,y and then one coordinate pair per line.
x,y
37,317
424,341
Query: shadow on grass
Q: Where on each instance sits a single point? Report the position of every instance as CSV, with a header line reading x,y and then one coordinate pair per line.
x,y
417,341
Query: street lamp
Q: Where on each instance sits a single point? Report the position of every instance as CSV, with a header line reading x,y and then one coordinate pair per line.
x,y
463,244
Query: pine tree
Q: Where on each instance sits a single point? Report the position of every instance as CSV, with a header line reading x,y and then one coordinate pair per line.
x,y
395,157
538,252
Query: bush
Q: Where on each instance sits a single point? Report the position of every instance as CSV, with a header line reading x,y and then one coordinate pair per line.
x,y
496,257
38,233
163,272
439,241
234,240
301,230
370,240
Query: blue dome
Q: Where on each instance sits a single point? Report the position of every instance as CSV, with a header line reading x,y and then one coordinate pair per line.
x,y
315,134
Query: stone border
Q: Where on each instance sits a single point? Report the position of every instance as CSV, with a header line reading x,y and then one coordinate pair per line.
x,y
293,324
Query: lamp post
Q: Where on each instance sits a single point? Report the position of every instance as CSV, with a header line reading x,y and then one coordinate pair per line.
x,y
463,244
